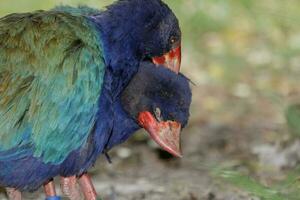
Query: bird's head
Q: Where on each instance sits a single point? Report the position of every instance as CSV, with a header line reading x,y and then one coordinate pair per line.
x,y
159,101
147,29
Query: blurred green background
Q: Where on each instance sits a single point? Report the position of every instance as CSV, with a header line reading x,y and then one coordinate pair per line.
x,y
244,60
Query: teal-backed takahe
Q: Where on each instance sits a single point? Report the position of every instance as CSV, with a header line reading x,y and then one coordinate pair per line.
x,y
64,93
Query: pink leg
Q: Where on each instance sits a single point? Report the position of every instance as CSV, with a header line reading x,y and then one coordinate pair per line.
x,y
70,187
49,189
87,187
13,194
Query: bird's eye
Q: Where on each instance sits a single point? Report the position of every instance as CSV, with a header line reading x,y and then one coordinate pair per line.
x,y
157,113
172,39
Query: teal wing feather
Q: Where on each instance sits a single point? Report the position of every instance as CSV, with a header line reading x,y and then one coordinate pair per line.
x,y
78,11
51,74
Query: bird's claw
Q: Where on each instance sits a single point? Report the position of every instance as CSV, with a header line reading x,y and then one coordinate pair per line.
x,y
71,189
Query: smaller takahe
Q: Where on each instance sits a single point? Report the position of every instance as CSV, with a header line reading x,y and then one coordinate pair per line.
x,y
156,99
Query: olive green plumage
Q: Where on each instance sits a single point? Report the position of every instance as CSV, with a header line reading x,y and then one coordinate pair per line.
x,y
51,74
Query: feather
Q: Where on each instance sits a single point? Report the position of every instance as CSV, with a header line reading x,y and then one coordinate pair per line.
x,y
51,71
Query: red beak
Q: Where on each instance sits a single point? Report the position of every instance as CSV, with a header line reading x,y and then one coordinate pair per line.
x,y
166,134
171,60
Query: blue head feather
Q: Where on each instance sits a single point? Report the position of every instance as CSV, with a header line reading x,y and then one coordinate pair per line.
x,y
132,31
152,87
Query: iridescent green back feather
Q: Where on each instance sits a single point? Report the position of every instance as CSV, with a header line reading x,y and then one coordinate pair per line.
x,y
51,74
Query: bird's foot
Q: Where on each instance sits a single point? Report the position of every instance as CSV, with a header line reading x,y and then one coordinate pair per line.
x,y
87,187
13,194
50,192
70,188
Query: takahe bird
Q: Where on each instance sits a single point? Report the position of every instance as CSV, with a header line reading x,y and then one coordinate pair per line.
x,y
62,73
156,99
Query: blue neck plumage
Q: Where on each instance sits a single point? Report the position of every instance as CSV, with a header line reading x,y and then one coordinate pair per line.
x,y
119,48
113,125
123,128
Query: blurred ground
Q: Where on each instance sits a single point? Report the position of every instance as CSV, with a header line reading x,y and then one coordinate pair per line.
x,y
244,58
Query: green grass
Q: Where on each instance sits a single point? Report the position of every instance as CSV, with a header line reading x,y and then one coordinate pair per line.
x,y
286,189
250,185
